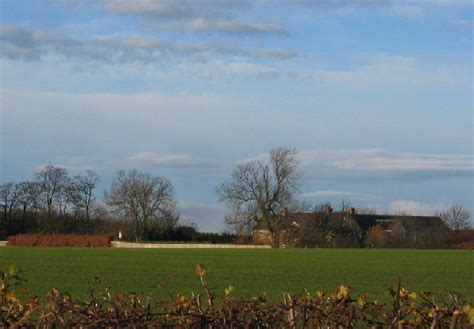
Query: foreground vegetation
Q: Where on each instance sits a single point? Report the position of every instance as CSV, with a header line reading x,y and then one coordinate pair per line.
x,y
250,272
105,309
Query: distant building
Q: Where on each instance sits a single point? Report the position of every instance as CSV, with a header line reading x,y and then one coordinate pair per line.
x,y
349,229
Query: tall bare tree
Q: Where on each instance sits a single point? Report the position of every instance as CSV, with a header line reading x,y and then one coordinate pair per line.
x,y
65,195
30,195
141,197
9,198
83,191
260,190
456,217
28,198
344,205
51,181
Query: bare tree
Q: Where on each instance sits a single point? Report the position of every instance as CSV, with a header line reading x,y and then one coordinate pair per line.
x,y
83,191
31,195
322,207
51,181
456,217
344,205
28,198
260,190
142,197
9,198
65,195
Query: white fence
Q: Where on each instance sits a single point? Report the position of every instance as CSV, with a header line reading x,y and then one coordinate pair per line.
x,y
121,244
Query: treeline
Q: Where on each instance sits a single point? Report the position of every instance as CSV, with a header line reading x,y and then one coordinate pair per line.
x,y
143,207
137,204
52,202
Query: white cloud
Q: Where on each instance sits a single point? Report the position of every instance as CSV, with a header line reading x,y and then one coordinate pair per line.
x,y
415,208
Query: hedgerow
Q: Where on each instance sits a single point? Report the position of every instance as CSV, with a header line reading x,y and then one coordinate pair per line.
x,y
58,240
105,309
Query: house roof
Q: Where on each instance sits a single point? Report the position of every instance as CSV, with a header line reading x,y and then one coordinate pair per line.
x,y
366,221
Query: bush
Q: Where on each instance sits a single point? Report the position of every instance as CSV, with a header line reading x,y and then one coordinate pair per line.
x,y
304,310
56,240
463,239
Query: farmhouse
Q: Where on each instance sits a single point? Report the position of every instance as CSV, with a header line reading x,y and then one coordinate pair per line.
x,y
349,229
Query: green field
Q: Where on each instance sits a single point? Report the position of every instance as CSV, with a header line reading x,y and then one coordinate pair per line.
x,y
250,272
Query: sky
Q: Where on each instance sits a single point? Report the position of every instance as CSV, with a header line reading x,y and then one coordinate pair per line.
x,y
376,96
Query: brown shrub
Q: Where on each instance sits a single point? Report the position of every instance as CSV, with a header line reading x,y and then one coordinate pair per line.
x,y
463,239
377,237
57,240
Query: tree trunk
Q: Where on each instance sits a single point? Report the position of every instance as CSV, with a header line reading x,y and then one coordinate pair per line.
x,y
23,219
87,213
5,218
275,240
137,227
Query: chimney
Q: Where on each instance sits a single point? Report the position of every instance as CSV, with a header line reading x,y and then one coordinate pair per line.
x,y
351,211
328,210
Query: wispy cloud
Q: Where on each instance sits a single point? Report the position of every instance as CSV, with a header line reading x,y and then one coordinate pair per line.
x,y
314,164
379,163
19,43
387,3
334,4
340,195
385,70
211,17
222,26
16,42
407,10
447,2
169,9
221,60
468,23
179,165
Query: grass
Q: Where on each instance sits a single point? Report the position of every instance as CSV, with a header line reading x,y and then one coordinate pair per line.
x,y
250,272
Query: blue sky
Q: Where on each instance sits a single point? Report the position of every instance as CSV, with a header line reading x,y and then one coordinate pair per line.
x,y
375,95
